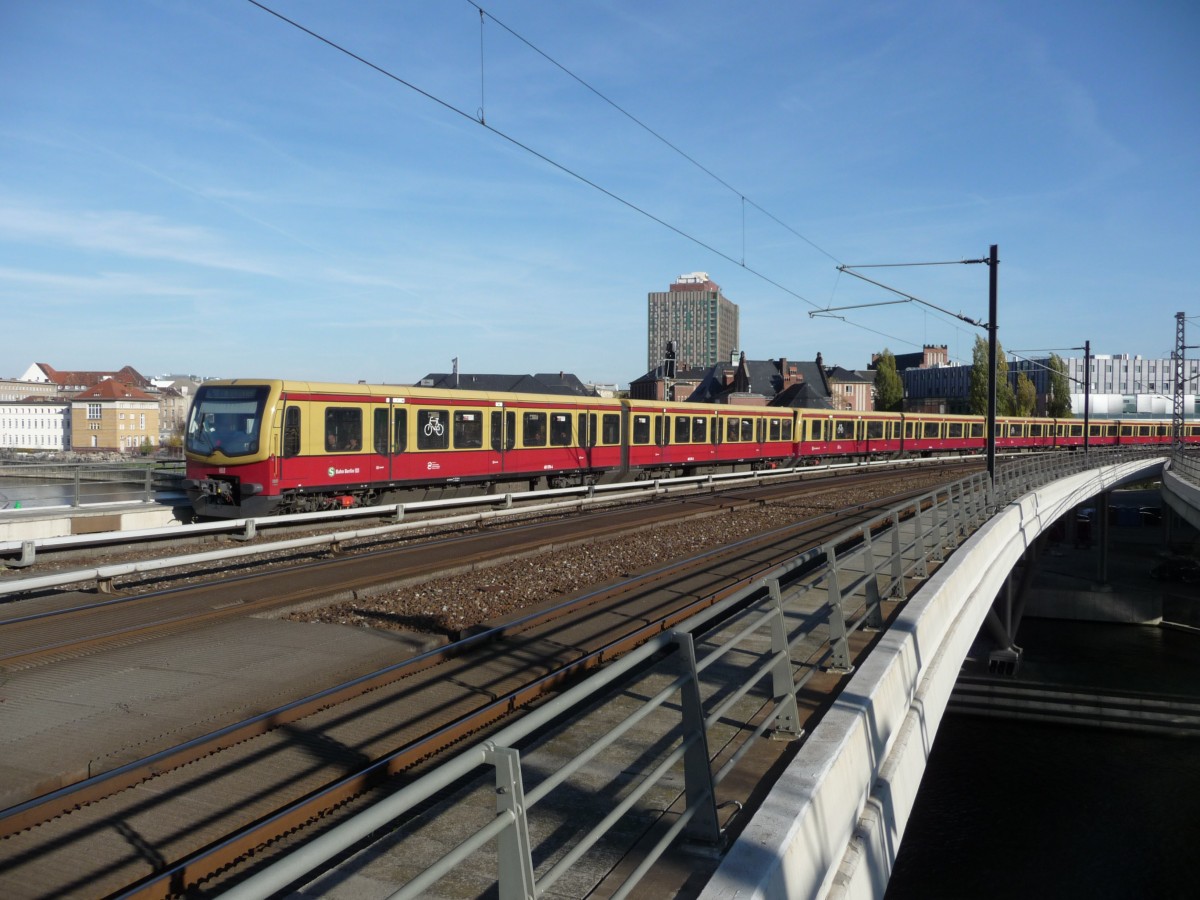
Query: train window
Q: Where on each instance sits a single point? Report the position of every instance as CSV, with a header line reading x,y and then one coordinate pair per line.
x,y
560,430
1076,431
733,429
400,430
291,431
842,430
610,428
533,429
785,430
468,430
683,429
433,431
658,431
954,430
815,430
379,430
504,430
999,429
1111,430
699,429
748,430
1143,431
1014,429
773,432
716,430
874,430
641,429
1126,431
931,430
1093,431
343,429
587,427
908,430
1035,429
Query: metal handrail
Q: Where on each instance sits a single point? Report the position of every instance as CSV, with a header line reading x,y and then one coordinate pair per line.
x,y
1186,465
875,561
510,504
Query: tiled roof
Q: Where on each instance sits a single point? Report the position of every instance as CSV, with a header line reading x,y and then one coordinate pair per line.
x,y
114,390
127,375
559,383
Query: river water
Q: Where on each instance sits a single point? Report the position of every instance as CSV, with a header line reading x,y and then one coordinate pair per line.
x,y
1029,810
24,494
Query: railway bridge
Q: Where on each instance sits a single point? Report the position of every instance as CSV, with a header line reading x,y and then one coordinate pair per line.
x,y
832,823
941,573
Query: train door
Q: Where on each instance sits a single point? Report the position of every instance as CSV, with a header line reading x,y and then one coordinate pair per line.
x,y
587,439
389,437
289,437
381,433
503,435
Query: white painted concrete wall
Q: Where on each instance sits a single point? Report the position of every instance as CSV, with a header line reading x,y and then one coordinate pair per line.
x,y
1183,496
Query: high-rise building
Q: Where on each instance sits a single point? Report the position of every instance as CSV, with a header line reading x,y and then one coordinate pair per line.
x,y
694,314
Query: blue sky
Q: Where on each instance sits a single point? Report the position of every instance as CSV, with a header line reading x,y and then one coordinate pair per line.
x,y
202,188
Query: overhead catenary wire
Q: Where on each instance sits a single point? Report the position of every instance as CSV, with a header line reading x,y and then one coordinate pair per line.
x,y
528,149
480,119
717,178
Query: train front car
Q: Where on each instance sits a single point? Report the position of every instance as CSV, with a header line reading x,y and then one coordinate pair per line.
x,y
229,459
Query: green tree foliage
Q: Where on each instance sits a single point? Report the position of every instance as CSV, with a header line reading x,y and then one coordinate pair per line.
x,y
1025,396
889,388
1058,400
978,395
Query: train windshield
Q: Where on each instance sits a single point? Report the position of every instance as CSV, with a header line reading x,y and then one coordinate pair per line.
x,y
226,418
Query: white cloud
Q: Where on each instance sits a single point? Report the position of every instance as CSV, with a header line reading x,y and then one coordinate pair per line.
x,y
130,234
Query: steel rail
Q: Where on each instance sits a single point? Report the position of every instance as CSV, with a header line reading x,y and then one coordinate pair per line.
x,y
249,527
27,814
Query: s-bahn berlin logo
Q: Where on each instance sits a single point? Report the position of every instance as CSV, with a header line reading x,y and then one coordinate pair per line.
x,y
333,471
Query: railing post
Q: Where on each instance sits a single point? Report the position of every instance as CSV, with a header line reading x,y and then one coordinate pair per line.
x,y
937,528
513,851
783,684
921,542
75,499
839,639
897,560
874,617
699,789
146,493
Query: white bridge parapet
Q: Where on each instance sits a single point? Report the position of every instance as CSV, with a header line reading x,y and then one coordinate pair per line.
x,y
1181,489
832,824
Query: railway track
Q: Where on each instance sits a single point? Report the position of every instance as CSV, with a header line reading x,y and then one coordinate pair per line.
x,y
170,821
66,626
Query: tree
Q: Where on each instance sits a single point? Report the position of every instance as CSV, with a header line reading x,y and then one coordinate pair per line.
x,y
978,395
1058,399
889,388
1026,396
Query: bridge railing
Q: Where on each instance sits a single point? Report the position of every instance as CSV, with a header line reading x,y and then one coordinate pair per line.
x,y
739,665
26,485
1186,465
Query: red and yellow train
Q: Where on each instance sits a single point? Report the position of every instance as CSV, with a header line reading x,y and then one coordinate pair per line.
x,y
256,447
